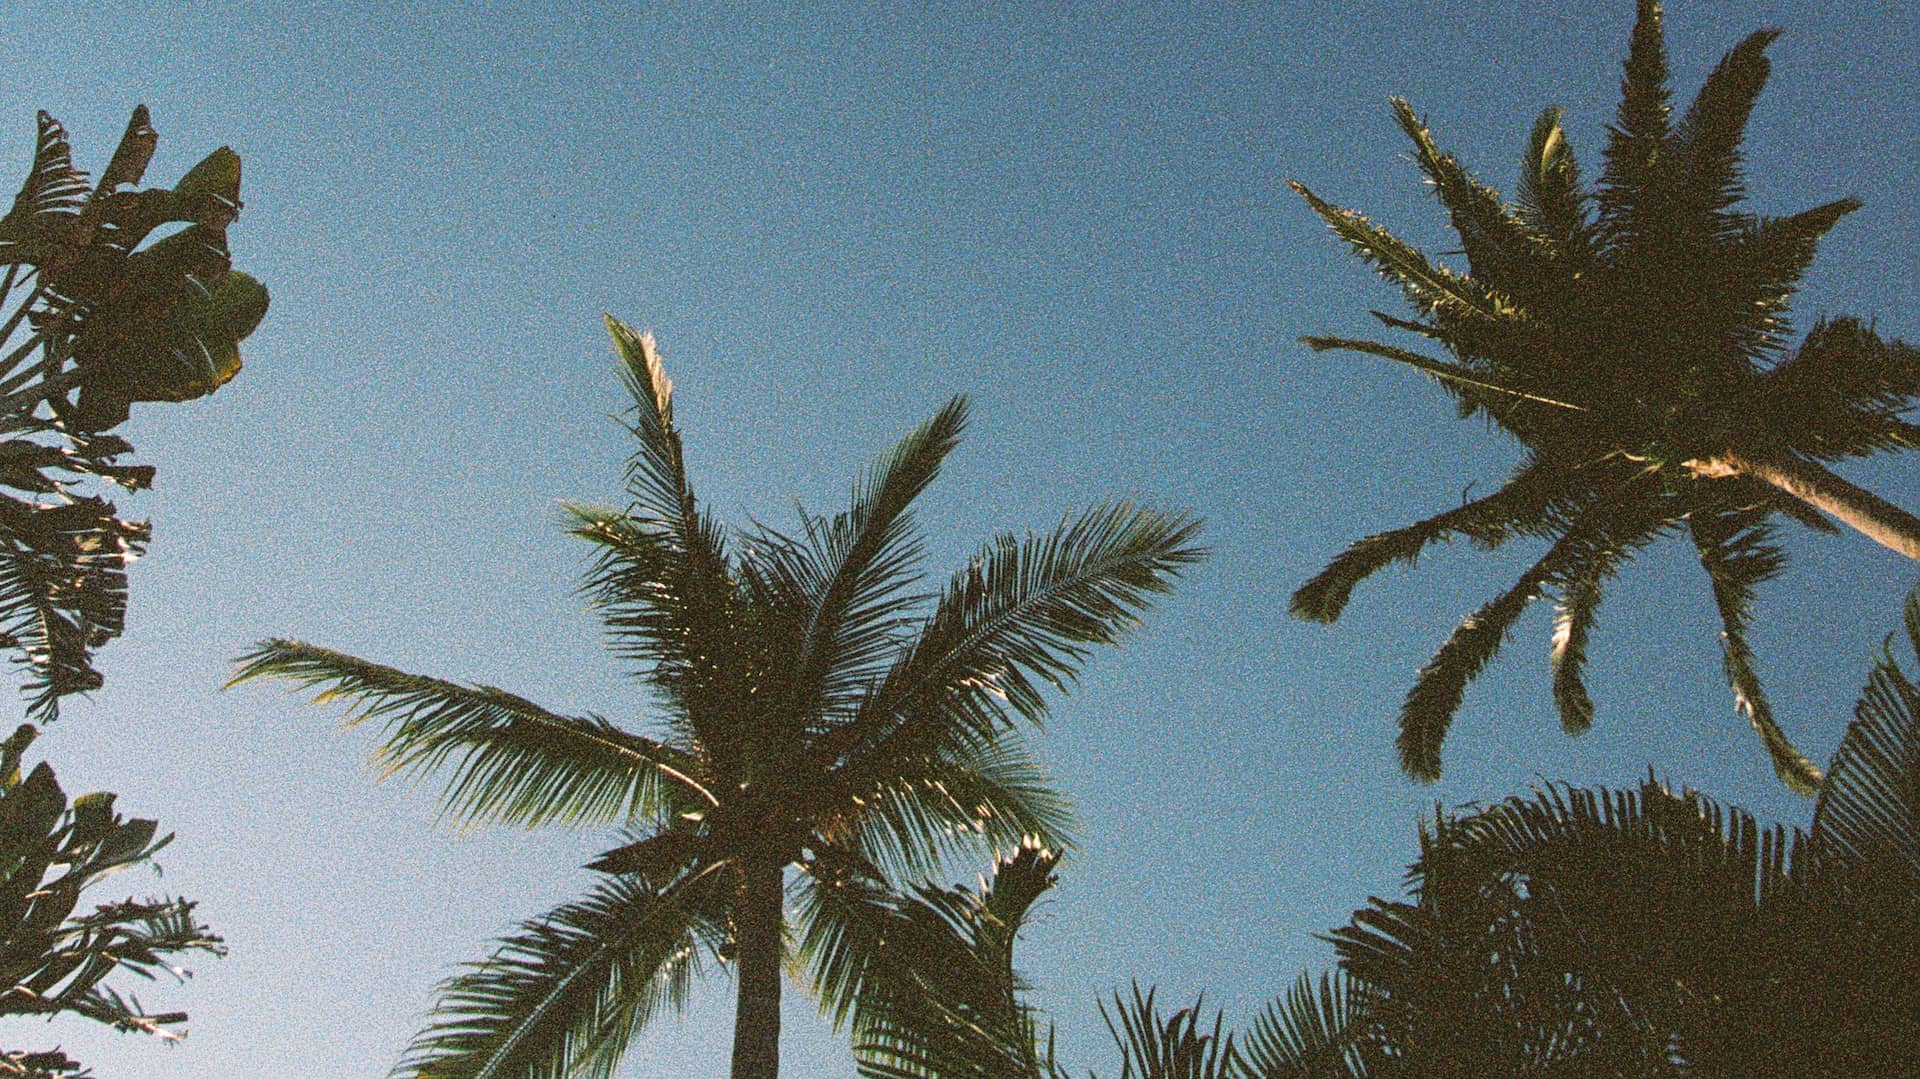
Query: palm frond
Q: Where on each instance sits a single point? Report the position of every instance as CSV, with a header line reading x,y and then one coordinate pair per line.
x,y
1842,391
1448,374
1738,556
63,591
565,995
1176,1046
1551,200
857,564
1429,288
969,796
513,761
1025,609
53,185
1494,238
1630,193
1868,816
1520,505
1311,1033
1706,142
1572,626
1430,705
927,979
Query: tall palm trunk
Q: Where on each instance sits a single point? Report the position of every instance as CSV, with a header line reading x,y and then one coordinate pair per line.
x,y
756,1021
1854,506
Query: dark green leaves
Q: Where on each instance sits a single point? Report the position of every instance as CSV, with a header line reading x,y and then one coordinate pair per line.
x,y
1630,339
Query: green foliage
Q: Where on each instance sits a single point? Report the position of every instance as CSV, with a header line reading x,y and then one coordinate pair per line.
x,y
1634,340
52,959
99,318
817,712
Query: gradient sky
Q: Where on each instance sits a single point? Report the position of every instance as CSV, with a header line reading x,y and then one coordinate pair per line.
x,y
834,219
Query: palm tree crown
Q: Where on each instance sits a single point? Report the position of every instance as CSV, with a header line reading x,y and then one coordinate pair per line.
x,y
1634,340
816,714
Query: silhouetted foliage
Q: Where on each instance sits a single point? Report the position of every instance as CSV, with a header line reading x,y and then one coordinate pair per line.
x,y
1633,338
52,959
818,714
96,317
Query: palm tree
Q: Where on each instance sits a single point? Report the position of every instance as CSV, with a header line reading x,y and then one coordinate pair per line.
x,y
814,717
98,321
1634,340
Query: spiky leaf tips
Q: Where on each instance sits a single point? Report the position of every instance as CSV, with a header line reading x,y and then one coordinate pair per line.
x,y
825,730
95,317
55,957
1634,338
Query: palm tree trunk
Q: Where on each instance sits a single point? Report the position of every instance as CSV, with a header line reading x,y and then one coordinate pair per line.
x,y
756,1022
1854,506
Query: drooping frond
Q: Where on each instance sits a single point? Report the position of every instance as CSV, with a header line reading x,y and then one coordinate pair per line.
x,y
1520,506
1311,1034
512,761
1573,616
1738,557
1430,705
63,591
563,997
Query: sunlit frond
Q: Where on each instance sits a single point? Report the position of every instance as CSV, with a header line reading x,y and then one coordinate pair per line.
x,y
512,761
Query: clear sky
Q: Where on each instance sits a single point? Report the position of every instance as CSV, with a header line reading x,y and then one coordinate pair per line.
x,y
834,217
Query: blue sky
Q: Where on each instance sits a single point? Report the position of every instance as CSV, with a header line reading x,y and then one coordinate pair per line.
x,y
834,219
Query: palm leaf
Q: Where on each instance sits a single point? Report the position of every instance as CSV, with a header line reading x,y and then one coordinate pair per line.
x,y
1449,374
1706,142
1630,193
1518,506
1738,557
1868,815
1025,609
1551,201
514,762
1428,287
563,997
1176,1046
1311,1034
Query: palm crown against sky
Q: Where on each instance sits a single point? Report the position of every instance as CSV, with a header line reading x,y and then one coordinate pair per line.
x,y
838,220
1634,338
812,718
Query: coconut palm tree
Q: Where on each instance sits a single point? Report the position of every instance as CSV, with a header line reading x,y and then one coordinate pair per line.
x,y
1634,340
815,716
99,319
